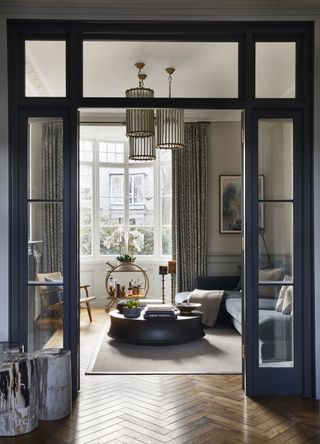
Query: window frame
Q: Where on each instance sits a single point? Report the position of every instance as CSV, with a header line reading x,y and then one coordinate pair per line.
x,y
127,165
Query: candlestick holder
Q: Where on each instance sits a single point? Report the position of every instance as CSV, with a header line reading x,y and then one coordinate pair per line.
x,y
173,288
163,270
172,271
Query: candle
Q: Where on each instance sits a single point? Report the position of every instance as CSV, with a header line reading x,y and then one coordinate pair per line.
x,y
163,269
172,267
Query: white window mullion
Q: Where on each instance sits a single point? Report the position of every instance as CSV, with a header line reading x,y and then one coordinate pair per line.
x,y
126,187
157,209
96,200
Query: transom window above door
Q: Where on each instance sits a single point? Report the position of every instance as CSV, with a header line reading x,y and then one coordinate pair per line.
x,y
202,69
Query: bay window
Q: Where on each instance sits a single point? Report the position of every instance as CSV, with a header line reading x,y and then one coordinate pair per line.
x,y
124,205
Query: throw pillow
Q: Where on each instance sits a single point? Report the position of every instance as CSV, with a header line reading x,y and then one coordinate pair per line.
x,y
267,275
288,301
282,293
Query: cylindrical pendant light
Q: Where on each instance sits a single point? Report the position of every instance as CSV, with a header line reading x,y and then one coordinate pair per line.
x,y
170,124
142,148
140,122
170,128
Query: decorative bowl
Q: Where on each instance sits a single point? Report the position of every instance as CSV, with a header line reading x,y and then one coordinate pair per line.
x,y
186,308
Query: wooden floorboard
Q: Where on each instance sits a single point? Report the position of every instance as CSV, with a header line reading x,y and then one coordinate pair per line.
x,y
176,409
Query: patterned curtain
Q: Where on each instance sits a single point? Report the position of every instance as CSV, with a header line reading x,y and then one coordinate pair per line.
x,y
189,206
52,188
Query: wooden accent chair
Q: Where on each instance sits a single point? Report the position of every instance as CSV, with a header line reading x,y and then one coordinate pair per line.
x,y
51,314
51,296
86,299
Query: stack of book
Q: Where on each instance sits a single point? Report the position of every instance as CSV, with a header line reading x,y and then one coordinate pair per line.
x,y
163,311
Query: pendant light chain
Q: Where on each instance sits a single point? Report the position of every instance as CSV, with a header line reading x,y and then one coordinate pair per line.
x,y
170,82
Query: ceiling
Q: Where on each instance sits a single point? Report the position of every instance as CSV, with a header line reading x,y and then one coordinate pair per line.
x,y
203,69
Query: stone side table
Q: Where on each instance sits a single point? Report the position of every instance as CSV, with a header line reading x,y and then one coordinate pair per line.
x,y
11,347
54,374
18,394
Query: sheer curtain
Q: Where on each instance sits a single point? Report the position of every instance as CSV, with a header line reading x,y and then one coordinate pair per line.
x,y
52,189
189,206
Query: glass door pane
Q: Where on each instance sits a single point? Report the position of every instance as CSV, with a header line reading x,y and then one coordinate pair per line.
x,y
45,233
45,68
275,243
275,70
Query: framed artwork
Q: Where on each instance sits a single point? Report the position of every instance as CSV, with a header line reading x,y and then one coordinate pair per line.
x,y
230,204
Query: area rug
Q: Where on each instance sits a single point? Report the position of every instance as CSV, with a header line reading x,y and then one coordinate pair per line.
x,y
219,352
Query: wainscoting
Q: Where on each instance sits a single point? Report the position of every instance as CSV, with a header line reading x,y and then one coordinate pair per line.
x,y
94,273
224,264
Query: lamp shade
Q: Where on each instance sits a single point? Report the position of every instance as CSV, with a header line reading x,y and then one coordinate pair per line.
x,y
140,122
170,128
142,148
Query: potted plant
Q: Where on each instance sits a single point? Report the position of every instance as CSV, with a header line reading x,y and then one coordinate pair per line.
x,y
125,258
131,309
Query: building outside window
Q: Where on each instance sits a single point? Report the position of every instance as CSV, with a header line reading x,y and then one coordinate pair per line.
x,y
122,203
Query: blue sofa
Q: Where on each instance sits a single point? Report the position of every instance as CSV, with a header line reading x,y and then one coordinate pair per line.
x,y
275,328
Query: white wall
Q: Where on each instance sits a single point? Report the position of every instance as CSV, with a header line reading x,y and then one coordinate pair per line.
x,y
224,158
94,273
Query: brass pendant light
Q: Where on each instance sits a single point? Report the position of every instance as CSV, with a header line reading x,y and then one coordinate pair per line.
x,y
142,148
140,122
170,123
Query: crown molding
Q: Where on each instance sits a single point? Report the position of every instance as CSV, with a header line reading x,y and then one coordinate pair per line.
x,y
164,4
177,10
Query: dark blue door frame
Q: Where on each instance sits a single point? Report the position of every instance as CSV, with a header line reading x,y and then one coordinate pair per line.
x,y
73,32
280,380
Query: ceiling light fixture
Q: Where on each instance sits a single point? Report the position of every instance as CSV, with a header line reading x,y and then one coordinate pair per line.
x,y
142,148
170,123
140,122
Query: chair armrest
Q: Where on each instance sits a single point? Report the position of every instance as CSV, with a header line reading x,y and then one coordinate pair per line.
x,y
90,298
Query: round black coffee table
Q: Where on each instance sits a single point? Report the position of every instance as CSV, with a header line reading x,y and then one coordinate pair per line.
x,y
155,331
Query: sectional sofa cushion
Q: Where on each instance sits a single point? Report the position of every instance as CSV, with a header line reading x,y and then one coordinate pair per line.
x,y
273,325
269,274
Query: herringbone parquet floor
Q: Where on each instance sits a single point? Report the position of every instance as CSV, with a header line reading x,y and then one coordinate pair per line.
x,y
173,409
